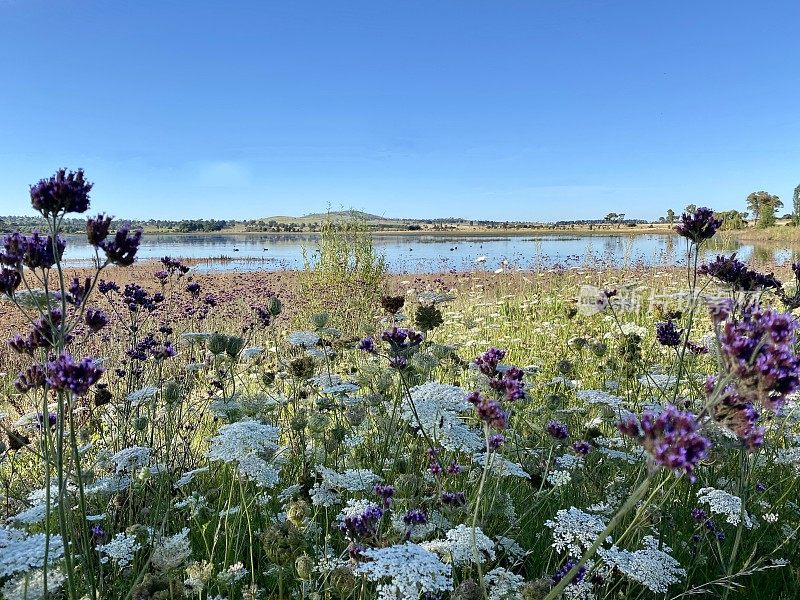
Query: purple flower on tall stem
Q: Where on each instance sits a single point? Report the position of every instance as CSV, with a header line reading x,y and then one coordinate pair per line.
x,y
121,249
668,334
489,411
95,319
488,361
671,438
10,279
366,345
698,226
97,229
738,275
385,492
758,350
63,192
65,374
30,378
557,430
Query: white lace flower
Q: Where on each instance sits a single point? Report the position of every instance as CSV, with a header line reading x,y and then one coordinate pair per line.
x,y
721,502
504,585
575,530
121,549
652,567
410,570
30,585
304,339
171,552
20,551
458,549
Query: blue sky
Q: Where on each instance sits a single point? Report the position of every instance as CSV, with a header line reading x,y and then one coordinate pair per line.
x,y
500,109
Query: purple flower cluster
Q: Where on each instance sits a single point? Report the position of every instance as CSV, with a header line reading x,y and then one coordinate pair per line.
x,y
366,345
95,319
62,193
65,374
137,298
385,492
30,378
737,414
97,229
581,447
668,334
557,430
174,267
44,334
35,251
731,271
121,249
671,438
568,566
488,361
505,380
698,226
402,339
454,498
488,410
362,525
10,279
758,350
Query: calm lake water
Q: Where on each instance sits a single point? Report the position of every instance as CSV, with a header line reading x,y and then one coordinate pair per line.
x,y
432,254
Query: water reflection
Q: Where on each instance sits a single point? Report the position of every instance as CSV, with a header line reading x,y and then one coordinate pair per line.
x,y
432,253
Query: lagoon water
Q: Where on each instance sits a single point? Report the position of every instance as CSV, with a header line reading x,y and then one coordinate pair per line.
x,y
434,253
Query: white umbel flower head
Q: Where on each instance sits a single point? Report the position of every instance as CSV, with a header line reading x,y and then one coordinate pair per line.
x,y
653,568
171,552
575,530
250,445
721,502
410,570
458,547
20,551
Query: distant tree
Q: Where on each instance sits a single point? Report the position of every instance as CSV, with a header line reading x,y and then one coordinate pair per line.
x,y
796,205
670,216
764,205
732,219
691,209
610,217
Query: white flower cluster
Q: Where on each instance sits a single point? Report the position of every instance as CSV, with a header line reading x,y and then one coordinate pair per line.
x,y
500,466
559,478
251,445
189,476
236,572
354,508
600,397
130,460
458,549
652,567
568,462
504,585
575,530
30,585
326,493
121,549
304,339
438,406
721,502
20,551
171,552
512,549
410,569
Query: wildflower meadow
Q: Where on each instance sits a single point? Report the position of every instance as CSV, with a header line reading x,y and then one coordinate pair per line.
x,y
345,433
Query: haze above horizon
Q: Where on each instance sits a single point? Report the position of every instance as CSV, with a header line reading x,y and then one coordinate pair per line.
x,y
509,110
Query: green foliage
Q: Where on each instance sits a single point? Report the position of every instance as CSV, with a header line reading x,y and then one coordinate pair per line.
x,y
764,205
345,276
732,219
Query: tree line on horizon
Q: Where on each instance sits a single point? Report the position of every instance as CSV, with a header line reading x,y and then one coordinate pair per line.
x,y
761,205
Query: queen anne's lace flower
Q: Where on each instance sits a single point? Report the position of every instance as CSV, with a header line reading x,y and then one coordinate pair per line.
x,y
121,549
458,549
250,445
504,585
30,585
20,551
722,503
304,339
410,569
171,552
575,530
436,408
130,460
654,568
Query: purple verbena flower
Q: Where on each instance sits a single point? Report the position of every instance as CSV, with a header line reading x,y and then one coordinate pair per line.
x,y
95,319
121,249
735,273
698,226
488,410
668,334
97,229
65,374
62,193
671,438
488,361
10,279
557,429
366,345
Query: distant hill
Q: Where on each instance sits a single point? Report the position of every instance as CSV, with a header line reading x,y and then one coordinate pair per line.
x,y
335,216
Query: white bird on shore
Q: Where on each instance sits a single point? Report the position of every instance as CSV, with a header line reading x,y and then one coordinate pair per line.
x,y
480,259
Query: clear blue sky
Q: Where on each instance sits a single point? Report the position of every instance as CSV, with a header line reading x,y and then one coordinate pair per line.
x,y
526,109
